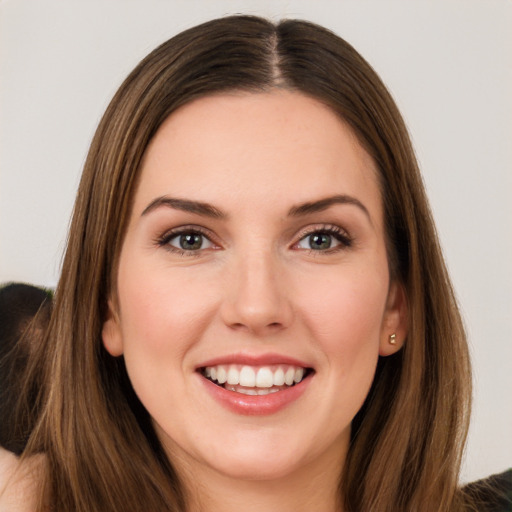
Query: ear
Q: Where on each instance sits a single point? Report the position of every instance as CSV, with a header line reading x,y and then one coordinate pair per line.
x,y
111,333
394,321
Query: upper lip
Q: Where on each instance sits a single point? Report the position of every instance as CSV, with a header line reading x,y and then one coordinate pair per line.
x,y
254,360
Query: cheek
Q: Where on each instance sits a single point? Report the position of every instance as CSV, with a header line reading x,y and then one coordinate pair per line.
x,y
161,311
343,315
163,314
346,310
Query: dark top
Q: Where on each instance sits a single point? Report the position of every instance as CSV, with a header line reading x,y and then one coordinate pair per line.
x,y
492,494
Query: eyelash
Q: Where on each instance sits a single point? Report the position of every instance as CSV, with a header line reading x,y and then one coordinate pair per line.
x,y
164,240
340,235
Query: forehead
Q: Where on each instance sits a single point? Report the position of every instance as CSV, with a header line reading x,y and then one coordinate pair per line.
x,y
237,148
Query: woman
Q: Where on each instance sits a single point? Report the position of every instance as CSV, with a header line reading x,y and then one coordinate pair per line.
x,y
253,311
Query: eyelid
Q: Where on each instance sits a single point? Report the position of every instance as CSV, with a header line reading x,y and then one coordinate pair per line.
x,y
338,232
163,240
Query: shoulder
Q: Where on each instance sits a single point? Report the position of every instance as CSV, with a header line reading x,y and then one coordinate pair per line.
x,y
17,482
492,494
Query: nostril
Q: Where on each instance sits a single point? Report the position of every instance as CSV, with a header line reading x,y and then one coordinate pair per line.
x,y
271,327
238,325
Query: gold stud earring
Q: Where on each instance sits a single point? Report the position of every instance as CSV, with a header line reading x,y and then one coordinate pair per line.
x,y
392,339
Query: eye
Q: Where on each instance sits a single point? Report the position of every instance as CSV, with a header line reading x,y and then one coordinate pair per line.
x,y
186,241
324,240
316,241
190,241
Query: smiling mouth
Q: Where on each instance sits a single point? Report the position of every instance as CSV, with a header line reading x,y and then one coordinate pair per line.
x,y
255,380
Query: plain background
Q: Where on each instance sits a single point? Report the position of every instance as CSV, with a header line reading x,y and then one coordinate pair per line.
x,y
448,64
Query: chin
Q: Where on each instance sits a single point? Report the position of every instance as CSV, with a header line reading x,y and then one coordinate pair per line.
x,y
257,468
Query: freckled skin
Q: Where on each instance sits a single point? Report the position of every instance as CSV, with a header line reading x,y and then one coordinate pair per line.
x,y
254,288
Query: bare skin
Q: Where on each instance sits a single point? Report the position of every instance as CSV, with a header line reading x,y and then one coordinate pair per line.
x,y
18,482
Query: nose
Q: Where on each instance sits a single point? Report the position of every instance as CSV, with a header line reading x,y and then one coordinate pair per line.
x,y
256,296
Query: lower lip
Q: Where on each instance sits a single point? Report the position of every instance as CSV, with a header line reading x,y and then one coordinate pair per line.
x,y
256,405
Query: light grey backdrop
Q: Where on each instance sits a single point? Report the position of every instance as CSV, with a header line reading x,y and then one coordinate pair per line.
x,y
448,64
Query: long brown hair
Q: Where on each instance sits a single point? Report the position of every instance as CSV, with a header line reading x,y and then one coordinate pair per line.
x,y
407,440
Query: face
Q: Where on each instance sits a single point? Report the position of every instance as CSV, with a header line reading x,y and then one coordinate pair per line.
x,y
253,293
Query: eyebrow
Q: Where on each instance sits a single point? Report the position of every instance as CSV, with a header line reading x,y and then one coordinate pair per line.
x,y
208,210
324,204
197,207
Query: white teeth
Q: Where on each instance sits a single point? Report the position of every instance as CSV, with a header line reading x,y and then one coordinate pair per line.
x,y
247,377
289,376
265,377
233,375
222,375
267,391
248,391
279,377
